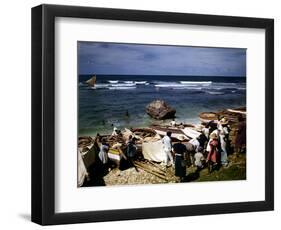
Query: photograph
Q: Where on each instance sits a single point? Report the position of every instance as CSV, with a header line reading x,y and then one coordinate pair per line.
x,y
157,114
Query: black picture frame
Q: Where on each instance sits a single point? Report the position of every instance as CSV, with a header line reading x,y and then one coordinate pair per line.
x,y
43,110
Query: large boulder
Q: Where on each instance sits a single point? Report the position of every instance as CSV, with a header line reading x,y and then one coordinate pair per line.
x,y
158,109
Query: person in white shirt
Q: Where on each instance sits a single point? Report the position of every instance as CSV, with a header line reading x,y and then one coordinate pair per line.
x,y
199,159
195,143
167,142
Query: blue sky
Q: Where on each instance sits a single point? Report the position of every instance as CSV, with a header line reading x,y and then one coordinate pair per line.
x,y
134,59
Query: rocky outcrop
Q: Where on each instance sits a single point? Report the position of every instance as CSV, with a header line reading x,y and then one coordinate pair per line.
x,y
160,110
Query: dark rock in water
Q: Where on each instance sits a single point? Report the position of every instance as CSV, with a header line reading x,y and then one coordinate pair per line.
x,y
158,109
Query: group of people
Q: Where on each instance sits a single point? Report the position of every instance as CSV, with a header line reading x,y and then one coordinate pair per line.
x,y
210,149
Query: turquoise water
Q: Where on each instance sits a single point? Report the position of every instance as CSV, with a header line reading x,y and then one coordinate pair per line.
x,y
114,96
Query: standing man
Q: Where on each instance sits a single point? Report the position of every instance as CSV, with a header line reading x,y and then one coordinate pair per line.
x,y
131,151
167,142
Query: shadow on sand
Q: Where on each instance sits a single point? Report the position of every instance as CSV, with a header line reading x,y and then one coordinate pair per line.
x,y
191,177
98,170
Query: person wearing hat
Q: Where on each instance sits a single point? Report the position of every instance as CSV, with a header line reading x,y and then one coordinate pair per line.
x,y
216,131
223,139
213,154
179,150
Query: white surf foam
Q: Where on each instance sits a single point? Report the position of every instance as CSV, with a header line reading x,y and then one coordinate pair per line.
x,y
196,82
121,88
214,93
140,82
123,85
113,82
101,86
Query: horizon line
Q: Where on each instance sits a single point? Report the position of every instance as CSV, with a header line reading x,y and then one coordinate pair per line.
x,y
158,75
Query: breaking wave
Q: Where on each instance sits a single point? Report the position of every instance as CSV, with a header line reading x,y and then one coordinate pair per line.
x,y
209,87
113,81
121,87
196,82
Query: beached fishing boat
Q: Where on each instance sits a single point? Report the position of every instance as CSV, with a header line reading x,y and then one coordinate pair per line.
x,y
190,132
143,132
233,115
114,155
92,81
82,170
85,160
241,110
206,117
162,131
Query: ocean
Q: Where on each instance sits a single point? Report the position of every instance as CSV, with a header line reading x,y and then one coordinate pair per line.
x,y
114,96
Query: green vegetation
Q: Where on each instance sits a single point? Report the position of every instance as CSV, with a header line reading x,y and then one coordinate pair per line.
x,y
236,170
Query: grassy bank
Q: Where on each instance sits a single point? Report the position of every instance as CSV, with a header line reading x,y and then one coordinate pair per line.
x,y
236,170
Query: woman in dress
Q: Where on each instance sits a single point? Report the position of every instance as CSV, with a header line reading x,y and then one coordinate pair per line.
x,y
179,149
213,154
223,139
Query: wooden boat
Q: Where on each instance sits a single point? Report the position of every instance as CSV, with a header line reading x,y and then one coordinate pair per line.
x,y
241,110
92,81
206,117
114,154
84,141
162,131
232,115
143,132
191,133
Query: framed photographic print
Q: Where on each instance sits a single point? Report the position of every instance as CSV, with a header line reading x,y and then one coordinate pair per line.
x,y
142,114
